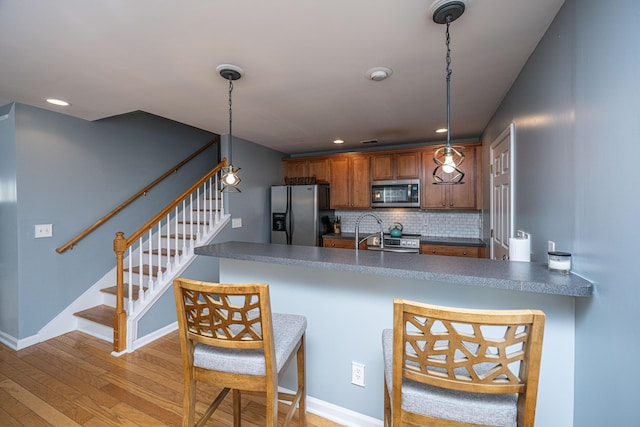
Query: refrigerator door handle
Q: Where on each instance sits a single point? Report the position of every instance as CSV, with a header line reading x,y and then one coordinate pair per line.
x,y
289,231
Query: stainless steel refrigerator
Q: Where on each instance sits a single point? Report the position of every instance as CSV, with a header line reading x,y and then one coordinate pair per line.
x,y
300,214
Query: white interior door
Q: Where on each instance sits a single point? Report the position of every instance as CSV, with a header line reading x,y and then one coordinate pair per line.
x,y
501,154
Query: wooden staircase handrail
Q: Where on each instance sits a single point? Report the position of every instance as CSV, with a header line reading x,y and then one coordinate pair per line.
x,y
121,244
136,235
140,193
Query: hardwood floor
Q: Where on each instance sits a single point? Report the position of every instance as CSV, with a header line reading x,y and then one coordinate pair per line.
x,y
73,380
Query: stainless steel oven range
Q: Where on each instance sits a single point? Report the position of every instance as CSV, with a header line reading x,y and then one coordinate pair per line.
x,y
408,243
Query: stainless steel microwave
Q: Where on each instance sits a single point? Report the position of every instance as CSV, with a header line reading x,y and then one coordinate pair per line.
x,y
400,193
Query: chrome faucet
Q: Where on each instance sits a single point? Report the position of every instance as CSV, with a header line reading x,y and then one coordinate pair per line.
x,y
381,232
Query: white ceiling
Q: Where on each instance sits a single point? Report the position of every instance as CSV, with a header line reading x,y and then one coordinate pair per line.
x,y
305,64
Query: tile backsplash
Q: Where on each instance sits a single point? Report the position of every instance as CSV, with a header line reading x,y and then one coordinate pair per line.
x,y
427,223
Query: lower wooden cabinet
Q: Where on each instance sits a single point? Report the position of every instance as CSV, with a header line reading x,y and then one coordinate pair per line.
x,y
329,242
449,250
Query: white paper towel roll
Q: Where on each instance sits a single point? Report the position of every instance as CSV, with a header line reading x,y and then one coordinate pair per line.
x,y
519,249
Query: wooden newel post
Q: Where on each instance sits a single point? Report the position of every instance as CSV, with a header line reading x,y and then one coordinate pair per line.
x,y
120,318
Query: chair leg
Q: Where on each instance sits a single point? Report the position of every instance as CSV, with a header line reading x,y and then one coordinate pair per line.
x,y
387,405
300,362
237,416
271,403
189,402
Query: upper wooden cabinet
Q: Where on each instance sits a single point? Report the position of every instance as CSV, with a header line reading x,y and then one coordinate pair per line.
x,y
350,176
350,182
443,196
397,165
298,167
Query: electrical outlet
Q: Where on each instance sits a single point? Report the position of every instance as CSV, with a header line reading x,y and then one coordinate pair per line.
x,y
357,374
236,222
551,246
43,230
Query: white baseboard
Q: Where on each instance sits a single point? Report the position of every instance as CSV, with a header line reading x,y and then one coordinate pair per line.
x,y
16,344
141,342
338,414
8,340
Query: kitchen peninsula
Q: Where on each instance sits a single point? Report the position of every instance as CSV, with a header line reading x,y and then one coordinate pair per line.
x,y
347,297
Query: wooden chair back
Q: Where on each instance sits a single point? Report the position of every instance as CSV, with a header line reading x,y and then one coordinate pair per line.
x,y
480,351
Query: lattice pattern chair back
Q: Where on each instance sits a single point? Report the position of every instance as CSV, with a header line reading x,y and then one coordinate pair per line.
x,y
230,338
470,351
231,316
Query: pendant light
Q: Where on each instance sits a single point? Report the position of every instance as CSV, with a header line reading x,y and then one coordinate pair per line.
x,y
448,158
230,179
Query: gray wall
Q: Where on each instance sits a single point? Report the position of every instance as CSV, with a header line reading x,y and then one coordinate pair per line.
x,y
540,103
69,173
575,106
8,221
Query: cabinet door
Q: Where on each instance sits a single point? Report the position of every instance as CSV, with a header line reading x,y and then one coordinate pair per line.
x,y
294,168
407,165
319,168
433,196
342,243
360,182
454,196
382,167
448,250
339,172
463,196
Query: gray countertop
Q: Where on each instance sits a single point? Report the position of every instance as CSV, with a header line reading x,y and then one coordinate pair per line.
x,y
513,275
431,240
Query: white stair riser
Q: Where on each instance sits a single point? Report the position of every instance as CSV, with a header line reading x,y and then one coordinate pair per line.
x,y
95,329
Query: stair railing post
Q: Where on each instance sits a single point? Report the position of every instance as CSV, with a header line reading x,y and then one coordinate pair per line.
x,y
120,318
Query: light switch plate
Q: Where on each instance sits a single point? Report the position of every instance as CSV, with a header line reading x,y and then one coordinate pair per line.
x,y
43,230
236,222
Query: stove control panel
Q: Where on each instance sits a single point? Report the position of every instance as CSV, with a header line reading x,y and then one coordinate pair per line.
x,y
402,242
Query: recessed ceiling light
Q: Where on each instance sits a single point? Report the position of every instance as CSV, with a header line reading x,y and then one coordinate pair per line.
x,y
441,130
58,102
338,141
377,74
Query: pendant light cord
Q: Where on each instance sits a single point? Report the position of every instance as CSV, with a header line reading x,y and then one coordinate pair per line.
x,y
448,40
230,116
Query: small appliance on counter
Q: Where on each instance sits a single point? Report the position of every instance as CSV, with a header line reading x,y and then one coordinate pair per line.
x,y
300,214
396,230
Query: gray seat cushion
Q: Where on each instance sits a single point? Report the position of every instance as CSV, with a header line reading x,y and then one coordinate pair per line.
x,y
488,409
287,331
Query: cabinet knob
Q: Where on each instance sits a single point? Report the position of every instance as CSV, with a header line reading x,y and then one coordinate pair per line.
x,y
433,251
464,253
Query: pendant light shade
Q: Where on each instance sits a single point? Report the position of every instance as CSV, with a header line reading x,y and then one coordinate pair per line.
x,y
447,157
230,179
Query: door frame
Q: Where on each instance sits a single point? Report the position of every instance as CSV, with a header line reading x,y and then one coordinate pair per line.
x,y
509,132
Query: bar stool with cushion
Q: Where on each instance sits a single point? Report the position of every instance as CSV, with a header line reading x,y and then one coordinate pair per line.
x,y
230,338
461,367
